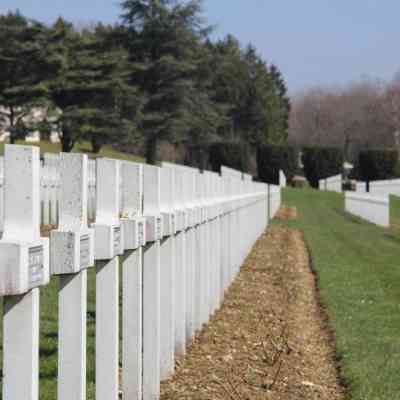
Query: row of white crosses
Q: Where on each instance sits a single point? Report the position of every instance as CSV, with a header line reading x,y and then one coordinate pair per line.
x,y
182,236
274,195
1,192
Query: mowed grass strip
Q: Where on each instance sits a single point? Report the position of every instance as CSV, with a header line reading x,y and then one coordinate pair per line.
x,y
358,266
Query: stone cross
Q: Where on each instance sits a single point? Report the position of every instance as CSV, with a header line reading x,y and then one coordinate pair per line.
x,y
72,244
132,221
24,255
108,234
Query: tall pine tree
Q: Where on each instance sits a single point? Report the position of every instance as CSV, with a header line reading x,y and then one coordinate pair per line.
x,y
90,87
159,35
23,70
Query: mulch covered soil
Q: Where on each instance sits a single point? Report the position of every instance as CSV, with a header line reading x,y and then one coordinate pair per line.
x,y
286,213
269,340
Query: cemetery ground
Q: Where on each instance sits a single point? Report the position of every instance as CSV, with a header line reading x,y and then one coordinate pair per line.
x,y
358,270
271,339
284,333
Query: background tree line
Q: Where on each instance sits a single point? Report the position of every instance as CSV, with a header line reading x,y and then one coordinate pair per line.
x,y
360,117
153,77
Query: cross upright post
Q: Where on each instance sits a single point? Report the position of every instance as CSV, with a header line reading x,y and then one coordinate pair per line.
x,y
151,283
24,267
71,253
134,233
109,244
167,273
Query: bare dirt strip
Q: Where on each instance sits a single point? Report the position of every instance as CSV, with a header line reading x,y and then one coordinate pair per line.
x,y
269,340
287,213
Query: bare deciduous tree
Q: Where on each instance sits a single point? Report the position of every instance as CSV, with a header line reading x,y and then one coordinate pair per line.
x,y
352,118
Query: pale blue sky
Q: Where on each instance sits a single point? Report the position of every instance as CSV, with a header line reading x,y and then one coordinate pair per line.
x,y
314,42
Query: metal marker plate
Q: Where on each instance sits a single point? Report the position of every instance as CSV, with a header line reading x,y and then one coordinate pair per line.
x,y
84,251
35,266
173,224
117,239
158,228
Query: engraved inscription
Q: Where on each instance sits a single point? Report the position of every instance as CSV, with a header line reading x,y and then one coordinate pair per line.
x,y
117,239
85,251
173,227
158,228
35,266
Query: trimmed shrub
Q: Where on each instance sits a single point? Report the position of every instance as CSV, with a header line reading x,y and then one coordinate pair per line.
x,y
235,155
271,158
377,164
321,163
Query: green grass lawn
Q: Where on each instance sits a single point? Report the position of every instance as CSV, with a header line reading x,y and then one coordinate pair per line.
x,y
358,265
81,147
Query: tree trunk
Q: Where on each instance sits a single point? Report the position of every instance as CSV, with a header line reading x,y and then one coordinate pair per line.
x,y
12,127
96,144
66,140
202,158
190,157
346,147
151,151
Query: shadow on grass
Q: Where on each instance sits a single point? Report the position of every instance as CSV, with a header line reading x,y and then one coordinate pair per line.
x,y
349,217
51,335
50,375
91,315
47,351
393,237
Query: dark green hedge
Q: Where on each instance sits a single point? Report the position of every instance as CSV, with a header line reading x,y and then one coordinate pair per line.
x,y
231,154
270,159
321,162
377,164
